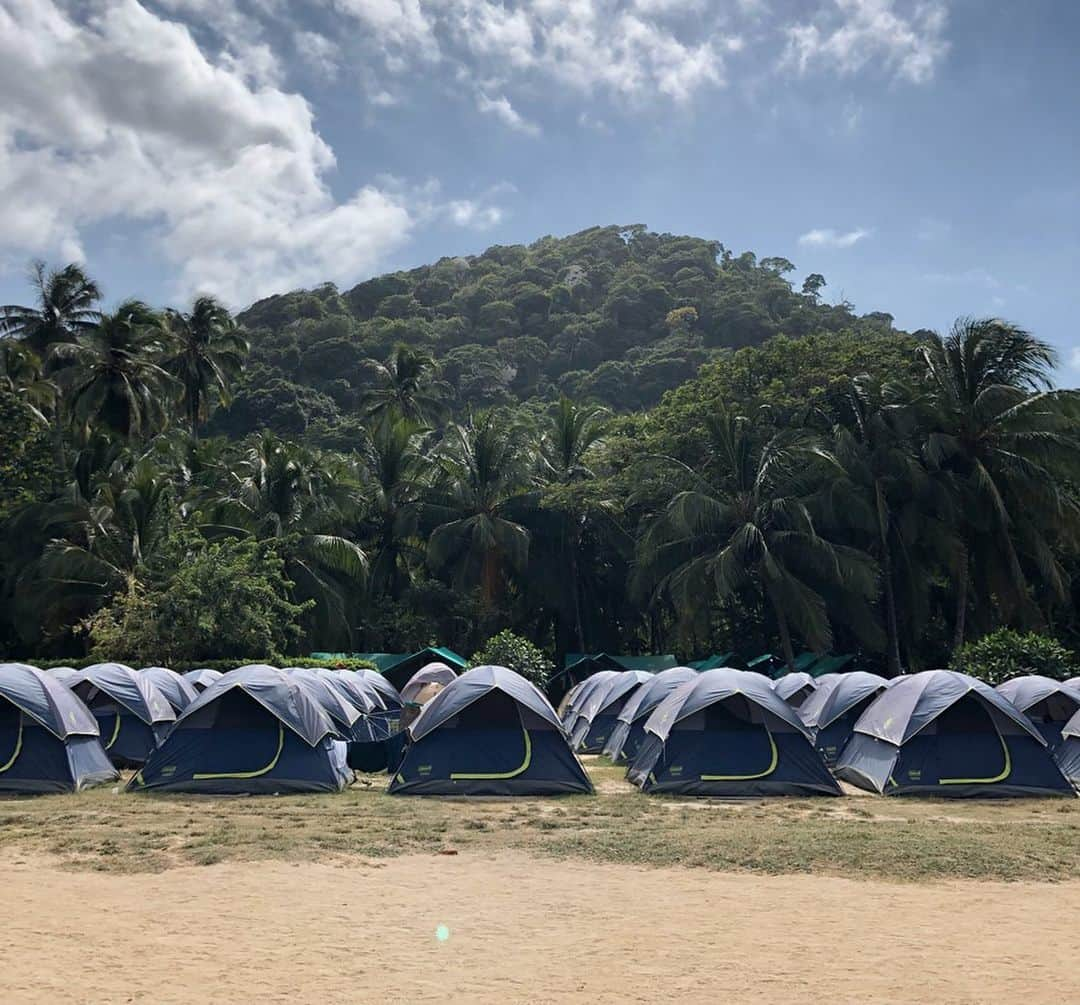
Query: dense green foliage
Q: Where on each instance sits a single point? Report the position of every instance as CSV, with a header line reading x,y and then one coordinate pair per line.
x,y
616,441
509,650
1005,654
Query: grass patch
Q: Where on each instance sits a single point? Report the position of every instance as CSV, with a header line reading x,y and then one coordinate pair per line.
x,y
856,837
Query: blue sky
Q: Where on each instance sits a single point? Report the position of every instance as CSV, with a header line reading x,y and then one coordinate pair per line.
x,y
924,155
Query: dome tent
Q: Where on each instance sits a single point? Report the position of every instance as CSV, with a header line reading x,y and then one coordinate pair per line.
x,y
943,733
430,673
1068,751
132,713
847,699
178,692
202,678
728,733
795,687
334,701
600,711
255,731
810,709
489,732
66,675
1048,703
372,724
629,729
574,707
48,738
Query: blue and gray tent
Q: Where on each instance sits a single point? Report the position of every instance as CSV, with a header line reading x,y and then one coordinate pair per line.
x,y
132,713
795,687
335,701
1067,754
581,695
488,733
728,733
1046,702
942,733
847,696
257,730
598,714
431,673
202,678
811,707
714,662
400,672
66,675
1073,682
629,731
48,737
391,698
178,692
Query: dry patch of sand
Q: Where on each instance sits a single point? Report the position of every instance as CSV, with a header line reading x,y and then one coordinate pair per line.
x,y
521,929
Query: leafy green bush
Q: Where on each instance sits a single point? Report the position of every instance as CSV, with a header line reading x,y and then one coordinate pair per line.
x,y
512,651
1005,654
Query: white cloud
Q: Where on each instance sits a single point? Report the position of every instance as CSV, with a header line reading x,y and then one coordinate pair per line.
x,y
322,54
501,108
138,125
468,213
968,277
827,237
1074,358
904,36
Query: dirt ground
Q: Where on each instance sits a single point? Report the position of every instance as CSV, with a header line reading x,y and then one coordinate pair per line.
x,y
516,928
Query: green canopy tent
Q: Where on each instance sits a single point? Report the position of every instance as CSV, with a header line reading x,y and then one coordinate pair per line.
x,y
715,661
399,672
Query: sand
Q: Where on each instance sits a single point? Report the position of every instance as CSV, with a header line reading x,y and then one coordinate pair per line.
x,y
520,929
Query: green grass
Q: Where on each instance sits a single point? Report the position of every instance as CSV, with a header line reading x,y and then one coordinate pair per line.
x,y
858,837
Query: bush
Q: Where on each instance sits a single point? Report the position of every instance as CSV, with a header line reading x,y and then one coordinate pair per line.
x,y
221,599
512,651
1005,654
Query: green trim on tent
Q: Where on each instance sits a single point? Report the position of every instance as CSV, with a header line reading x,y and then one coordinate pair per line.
x,y
18,748
985,781
481,776
249,774
749,778
115,733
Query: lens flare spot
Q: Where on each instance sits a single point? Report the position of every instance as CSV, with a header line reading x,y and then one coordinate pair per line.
x,y
442,933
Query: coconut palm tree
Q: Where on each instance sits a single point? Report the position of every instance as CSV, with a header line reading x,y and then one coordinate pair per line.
x,y
573,431
284,491
64,308
1008,441
393,470
743,521
206,354
113,379
887,502
408,386
483,475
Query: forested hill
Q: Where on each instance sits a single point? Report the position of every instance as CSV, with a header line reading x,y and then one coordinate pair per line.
x,y
613,314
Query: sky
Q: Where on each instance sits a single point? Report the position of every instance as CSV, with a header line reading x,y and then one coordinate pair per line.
x,y
923,155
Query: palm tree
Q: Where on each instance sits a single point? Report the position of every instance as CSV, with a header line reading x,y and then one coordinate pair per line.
x,y
284,491
888,499
1008,441
483,474
206,354
564,447
745,520
103,544
394,470
21,375
114,380
407,386
65,308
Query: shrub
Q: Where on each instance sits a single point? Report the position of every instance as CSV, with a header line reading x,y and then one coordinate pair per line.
x,y
512,651
1005,654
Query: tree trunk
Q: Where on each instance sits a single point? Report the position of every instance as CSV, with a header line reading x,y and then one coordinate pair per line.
x,y
889,596
575,588
785,632
961,604
490,578
58,451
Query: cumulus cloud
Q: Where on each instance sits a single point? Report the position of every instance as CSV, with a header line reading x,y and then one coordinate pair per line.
x,y
138,124
501,108
905,36
827,237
